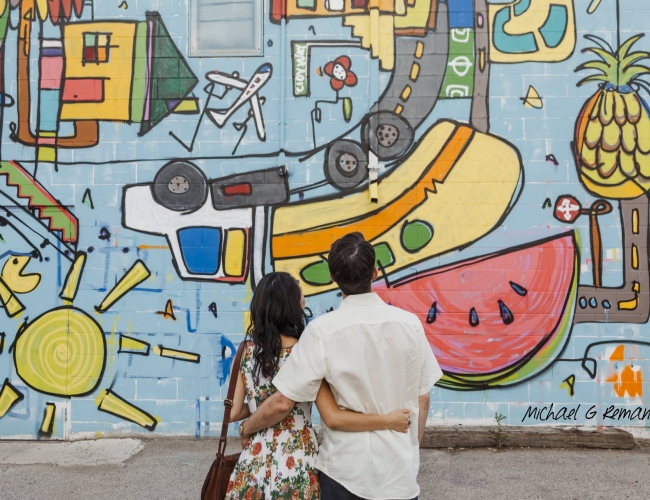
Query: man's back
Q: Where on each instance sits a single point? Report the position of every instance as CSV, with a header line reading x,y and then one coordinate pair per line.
x,y
376,360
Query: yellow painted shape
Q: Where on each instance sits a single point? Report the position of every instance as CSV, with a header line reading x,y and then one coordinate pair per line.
x,y
136,275
43,133
383,5
400,7
467,205
635,221
635,257
415,71
530,22
625,191
417,16
631,305
132,344
9,396
293,11
9,300
187,106
165,352
14,277
593,6
42,9
419,50
532,99
61,353
48,419
46,154
111,403
73,278
118,70
235,252
398,109
377,34
330,213
406,93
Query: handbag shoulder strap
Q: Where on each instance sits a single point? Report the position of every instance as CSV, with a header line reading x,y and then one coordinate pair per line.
x,y
234,374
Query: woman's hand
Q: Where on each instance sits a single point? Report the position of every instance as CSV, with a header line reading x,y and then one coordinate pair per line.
x,y
399,420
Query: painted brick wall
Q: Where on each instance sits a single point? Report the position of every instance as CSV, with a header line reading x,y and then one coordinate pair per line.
x,y
147,184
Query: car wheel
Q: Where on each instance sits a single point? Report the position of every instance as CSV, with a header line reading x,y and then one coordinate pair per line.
x,y
180,186
387,135
346,164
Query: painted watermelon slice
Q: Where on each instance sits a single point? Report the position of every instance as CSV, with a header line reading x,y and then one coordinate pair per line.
x,y
499,319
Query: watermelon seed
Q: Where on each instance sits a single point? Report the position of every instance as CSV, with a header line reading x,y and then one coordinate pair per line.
x,y
473,317
433,312
520,290
506,314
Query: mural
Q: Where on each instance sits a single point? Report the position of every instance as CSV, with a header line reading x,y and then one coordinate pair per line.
x,y
496,155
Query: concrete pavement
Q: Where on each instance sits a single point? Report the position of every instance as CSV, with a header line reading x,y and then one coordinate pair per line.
x,y
175,468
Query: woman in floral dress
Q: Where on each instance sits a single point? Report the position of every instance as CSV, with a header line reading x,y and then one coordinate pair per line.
x,y
279,462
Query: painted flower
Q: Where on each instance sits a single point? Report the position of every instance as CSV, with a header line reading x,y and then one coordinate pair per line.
x,y
340,73
257,448
291,462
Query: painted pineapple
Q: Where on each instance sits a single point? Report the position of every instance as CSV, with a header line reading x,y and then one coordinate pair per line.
x,y
612,134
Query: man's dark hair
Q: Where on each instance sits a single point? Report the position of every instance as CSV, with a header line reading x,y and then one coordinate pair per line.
x,y
352,263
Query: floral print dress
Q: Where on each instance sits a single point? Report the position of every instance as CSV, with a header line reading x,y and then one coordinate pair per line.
x,y
278,462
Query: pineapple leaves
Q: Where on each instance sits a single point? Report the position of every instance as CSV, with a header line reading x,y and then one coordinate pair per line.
x,y
599,41
623,49
607,57
597,65
632,58
592,78
615,67
633,72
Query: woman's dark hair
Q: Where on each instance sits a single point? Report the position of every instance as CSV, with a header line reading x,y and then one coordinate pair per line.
x,y
352,263
275,310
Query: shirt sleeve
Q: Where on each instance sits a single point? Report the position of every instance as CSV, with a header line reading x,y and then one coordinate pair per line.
x,y
300,377
430,371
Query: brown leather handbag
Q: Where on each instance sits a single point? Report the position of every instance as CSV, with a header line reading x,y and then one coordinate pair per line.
x,y
216,482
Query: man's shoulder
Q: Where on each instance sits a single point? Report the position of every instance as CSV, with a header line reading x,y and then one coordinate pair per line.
x,y
338,318
403,316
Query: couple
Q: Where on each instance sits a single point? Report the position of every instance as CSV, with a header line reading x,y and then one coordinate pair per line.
x,y
367,365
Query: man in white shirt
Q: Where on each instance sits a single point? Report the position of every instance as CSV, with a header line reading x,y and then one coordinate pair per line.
x,y
376,359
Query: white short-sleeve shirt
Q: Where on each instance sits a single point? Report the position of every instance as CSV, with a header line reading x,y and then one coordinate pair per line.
x,y
376,359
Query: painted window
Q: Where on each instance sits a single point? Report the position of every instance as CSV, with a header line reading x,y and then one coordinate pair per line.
x,y
226,27
96,47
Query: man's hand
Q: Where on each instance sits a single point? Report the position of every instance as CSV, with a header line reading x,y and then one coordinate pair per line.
x,y
269,413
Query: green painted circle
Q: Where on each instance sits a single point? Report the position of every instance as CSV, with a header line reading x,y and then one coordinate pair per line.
x,y
416,235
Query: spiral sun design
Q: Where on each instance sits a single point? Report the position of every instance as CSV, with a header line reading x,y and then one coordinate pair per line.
x,y
65,353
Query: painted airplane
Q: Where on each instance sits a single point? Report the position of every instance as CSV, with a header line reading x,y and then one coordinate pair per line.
x,y
249,89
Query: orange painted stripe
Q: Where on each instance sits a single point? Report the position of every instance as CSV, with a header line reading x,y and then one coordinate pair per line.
x,y
449,155
153,247
313,242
